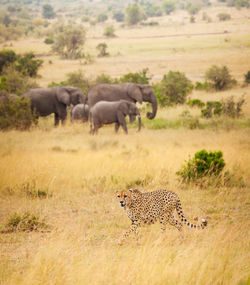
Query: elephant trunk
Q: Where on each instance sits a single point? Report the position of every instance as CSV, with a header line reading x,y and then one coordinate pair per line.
x,y
154,103
139,122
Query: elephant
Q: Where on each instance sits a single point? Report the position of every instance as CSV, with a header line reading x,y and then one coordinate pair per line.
x,y
80,112
127,91
45,101
104,112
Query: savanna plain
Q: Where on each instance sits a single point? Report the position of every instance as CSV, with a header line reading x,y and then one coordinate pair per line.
x,y
80,174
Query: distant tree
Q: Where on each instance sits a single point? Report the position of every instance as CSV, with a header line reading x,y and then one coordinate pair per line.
x,y
102,48
247,77
219,77
153,10
193,8
109,32
168,6
69,42
224,16
133,14
119,16
102,18
6,20
48,12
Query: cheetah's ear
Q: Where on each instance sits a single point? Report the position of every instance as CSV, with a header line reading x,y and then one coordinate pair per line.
x,y
131,190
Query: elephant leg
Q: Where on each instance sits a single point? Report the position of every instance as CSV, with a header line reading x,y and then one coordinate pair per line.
x,y
117,125
56,119
122,121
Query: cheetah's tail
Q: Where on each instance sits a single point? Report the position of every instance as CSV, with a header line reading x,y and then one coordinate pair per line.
x,y
184,220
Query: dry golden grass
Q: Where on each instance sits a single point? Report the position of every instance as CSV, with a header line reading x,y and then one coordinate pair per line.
x,y
81,173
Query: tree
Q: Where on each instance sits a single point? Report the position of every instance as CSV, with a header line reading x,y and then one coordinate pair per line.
x,y
70,41
102,47
119,16
173,88
219,77
109,32
6,57
102,18
168,6
133,14
48,11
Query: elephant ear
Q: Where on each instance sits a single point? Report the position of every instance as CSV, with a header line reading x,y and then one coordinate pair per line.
x,y
124,107
134,92
63,95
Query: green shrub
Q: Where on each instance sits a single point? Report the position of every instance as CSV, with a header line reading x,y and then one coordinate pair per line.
x,y
204,164
16,114
26,222
6,58
102,18
227,107
140,77
28,65
104,78
119,16
224,16
195,103
203,86
219,78
49,41
168,6
109,32
212,108
173,89
15,82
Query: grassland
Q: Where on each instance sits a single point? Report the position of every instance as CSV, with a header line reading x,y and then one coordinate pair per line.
x,y
81,173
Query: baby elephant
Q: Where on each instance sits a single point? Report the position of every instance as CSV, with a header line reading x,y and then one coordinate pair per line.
x,y
80,112
104,112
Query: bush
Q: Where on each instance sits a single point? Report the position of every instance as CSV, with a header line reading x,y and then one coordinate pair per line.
x,y
102,48
227,107
193,8
48,41
26,222
69,41
12,81
102,18
195,103
247,77
212,108
173,89
76,79
219,78
140,77
6,58
232,109
109,32
203,86
168,6
133,14
104,78
119,16
16,114
28,65
224,16
203,164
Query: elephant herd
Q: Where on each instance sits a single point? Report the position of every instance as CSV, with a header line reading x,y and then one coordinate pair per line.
x,y
103,104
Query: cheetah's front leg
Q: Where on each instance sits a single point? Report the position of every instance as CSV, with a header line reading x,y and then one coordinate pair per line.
x,y
133,228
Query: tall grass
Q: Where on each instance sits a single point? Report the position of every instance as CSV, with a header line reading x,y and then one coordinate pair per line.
x,y
82,173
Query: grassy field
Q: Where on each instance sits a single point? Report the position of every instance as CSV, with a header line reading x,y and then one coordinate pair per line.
x,y
77,174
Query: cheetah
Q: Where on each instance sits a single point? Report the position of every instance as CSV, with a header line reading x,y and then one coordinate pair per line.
x,y
149,207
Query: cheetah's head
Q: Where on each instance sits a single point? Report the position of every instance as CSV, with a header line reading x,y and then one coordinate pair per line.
x,y
124,197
